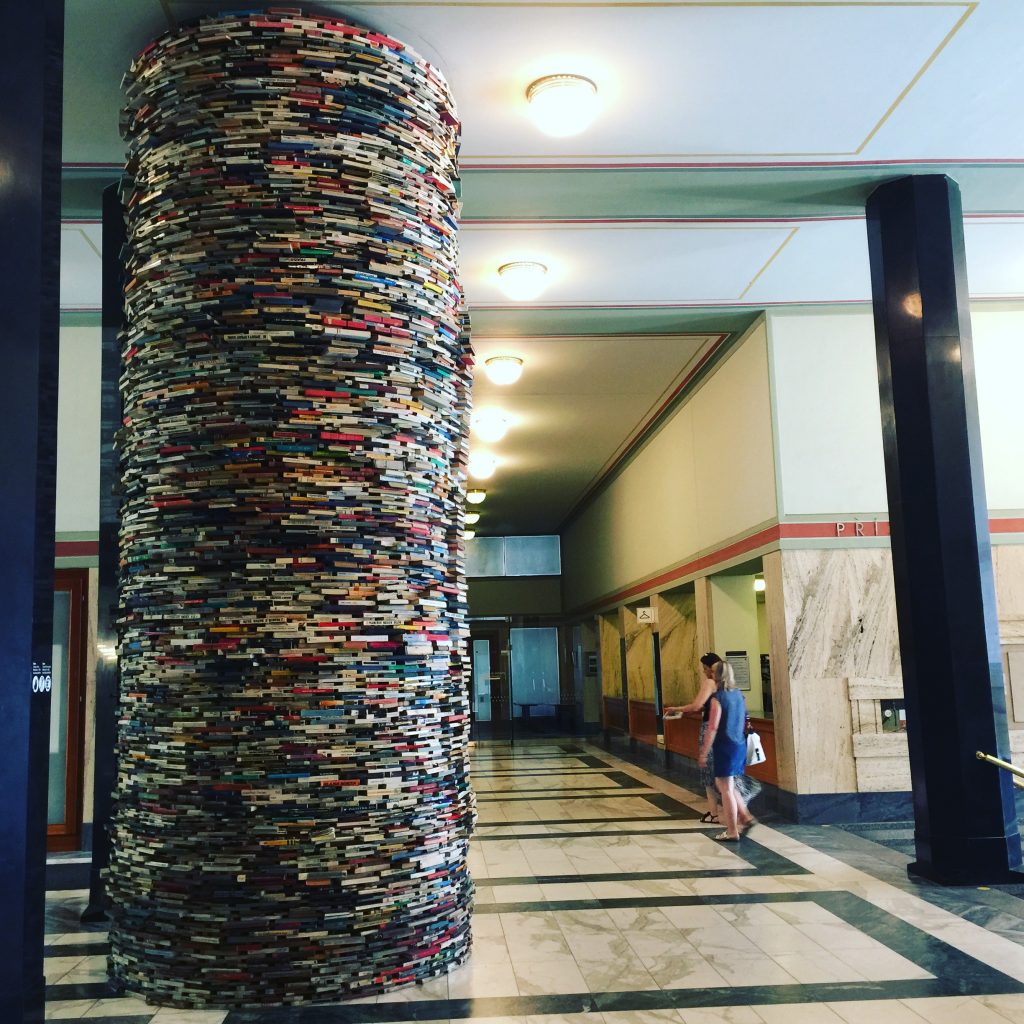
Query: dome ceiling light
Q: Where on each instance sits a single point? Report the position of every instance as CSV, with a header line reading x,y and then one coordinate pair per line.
x,y
482,465
562,105
522,280
472,518
475,496
490,425
503,369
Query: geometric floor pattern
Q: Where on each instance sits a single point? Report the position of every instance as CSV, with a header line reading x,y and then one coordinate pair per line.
x,y
602,899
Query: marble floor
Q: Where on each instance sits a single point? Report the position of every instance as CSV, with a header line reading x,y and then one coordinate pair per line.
x,y
602,899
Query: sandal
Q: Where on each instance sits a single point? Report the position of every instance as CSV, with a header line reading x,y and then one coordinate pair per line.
x,y
709,818
724,837
747,826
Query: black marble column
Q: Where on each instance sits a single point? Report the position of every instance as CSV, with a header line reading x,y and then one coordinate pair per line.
x,y
966,828
31,48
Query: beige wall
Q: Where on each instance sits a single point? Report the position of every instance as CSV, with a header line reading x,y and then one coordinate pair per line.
x,y
826,408
515,595
706,476
78,431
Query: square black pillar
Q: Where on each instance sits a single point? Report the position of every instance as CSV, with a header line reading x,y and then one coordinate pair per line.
x,y
31,48
966,827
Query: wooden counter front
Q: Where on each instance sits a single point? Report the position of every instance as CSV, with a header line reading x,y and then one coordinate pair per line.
x,y
682,736
643,721
615,713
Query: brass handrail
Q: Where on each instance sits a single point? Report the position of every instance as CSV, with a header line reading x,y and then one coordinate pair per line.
x,y
1018,773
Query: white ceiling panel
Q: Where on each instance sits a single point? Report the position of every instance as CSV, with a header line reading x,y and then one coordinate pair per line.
x,y
81,266
592,264
677,80
824,261
995,257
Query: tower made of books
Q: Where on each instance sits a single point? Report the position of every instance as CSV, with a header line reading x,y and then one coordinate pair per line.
x,y
293,807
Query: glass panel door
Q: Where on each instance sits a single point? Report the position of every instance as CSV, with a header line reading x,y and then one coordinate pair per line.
x,y
535,690
56,810
64,797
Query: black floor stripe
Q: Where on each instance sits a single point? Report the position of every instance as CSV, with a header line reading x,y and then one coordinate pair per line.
x,y
82,990
692,816
78,949
594,832
602,793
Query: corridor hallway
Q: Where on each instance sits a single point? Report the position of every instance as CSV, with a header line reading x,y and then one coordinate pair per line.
x,y
602,899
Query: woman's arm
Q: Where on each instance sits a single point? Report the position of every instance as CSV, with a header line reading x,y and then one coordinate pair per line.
x,y
707,687
714,720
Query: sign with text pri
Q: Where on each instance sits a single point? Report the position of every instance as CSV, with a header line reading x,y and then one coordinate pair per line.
x,y
647,616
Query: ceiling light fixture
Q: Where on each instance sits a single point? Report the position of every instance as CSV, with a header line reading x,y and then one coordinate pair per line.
x,y
562,105
475,496
472,518
489,424
522,280
482,465
503,369
469,534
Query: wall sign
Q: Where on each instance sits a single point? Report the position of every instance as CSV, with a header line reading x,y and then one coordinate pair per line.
x,y
42,677
647,616
740,668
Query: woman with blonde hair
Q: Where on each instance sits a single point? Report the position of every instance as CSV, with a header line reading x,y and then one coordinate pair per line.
x,y
725,739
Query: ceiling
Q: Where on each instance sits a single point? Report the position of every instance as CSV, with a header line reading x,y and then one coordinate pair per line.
x,y
726,173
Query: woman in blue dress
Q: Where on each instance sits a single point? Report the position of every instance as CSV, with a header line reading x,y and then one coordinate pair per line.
x,y
725,739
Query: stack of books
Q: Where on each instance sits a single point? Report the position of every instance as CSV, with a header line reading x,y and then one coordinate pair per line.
x,y
293,805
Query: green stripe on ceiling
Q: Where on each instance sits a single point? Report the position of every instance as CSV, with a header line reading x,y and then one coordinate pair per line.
x,y
821,190
80,318
718,191
512,322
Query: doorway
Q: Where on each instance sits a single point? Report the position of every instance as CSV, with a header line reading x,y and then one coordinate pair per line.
x,y
64,796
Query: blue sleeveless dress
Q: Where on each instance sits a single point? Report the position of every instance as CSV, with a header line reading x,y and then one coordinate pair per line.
x,y
730,746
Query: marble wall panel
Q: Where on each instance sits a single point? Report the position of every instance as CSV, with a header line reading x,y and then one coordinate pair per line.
x,y
611,665
840,622
677,637
639,656
840,613
1008,561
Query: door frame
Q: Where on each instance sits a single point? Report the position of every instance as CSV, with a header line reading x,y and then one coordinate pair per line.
x,y
68,835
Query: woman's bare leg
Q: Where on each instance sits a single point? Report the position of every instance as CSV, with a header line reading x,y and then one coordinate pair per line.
x,y
713,801
728,795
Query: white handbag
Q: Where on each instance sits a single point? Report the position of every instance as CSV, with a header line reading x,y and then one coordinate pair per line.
x,y
755,752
